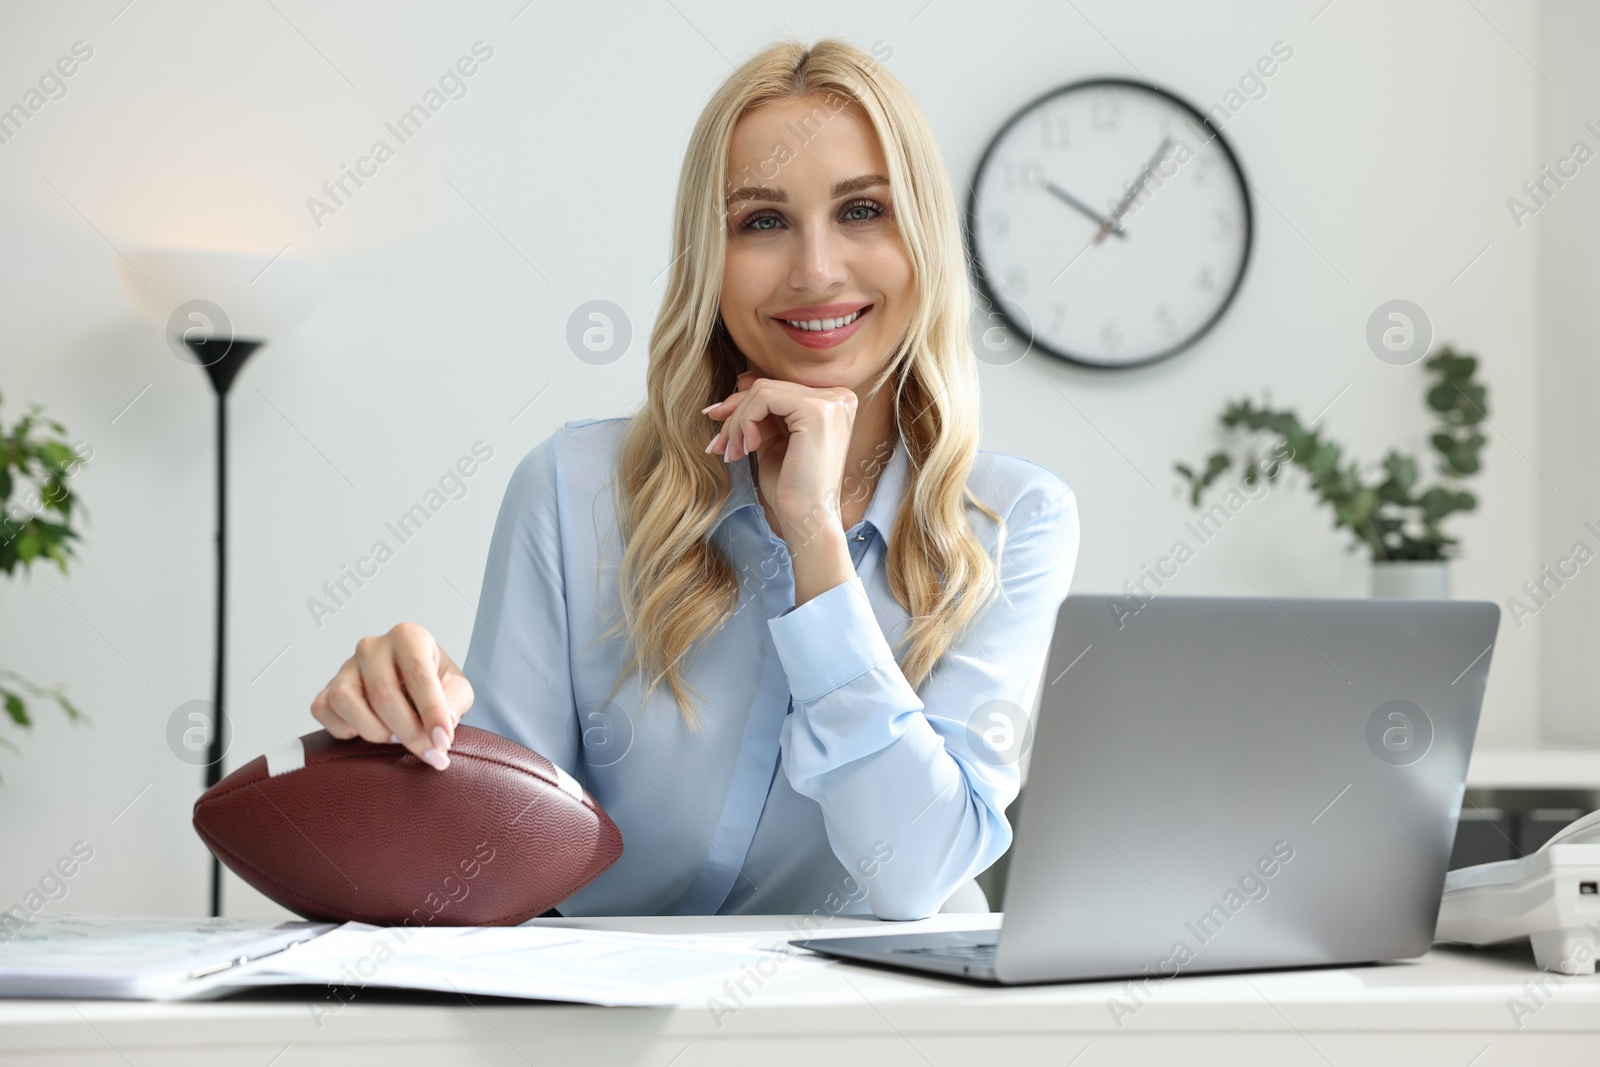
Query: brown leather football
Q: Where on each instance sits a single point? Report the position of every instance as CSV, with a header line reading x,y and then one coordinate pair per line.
x,y
352,831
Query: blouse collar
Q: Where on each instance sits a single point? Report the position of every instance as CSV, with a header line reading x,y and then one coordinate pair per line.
x,y
881,509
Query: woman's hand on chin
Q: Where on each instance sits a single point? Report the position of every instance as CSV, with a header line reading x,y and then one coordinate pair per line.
x,y
800,437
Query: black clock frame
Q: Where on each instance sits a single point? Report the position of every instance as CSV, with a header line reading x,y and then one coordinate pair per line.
x,y
980,275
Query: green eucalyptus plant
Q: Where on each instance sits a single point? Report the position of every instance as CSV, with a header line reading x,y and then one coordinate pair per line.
x,y
1388,512
36,467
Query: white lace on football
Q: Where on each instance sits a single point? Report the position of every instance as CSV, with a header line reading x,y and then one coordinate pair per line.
x,y
289,756
568,784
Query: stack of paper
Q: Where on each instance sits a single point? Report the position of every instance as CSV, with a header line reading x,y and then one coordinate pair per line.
x,y
179,959
541,962
136,958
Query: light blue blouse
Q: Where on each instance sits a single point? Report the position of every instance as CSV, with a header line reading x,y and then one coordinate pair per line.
x,y
820,781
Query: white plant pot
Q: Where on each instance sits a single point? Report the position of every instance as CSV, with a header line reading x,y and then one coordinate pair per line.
x,y
1411,579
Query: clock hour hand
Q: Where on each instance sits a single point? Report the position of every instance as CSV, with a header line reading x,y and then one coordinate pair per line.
x,y
1085,208
1111,225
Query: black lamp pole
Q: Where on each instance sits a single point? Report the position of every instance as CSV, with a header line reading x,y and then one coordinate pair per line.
x,y
222,359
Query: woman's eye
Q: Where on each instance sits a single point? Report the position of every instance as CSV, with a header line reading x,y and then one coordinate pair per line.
x,y
864,205
849,214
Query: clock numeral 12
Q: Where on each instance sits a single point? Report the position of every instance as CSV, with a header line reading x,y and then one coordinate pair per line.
x,y
1104,111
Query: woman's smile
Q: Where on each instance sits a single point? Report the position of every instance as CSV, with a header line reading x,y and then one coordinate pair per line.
x,y
822,326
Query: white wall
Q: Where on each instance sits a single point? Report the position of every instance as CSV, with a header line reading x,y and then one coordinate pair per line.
x,y
1382,154
1568,387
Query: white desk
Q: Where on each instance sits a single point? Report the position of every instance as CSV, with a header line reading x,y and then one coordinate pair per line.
x,y
1450,1008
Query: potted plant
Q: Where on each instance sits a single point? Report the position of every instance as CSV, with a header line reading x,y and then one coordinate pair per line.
x,y
1388,512
36,468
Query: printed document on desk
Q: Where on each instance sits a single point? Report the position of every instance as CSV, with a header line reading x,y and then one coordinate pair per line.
x,y
96,957
537,962
115,957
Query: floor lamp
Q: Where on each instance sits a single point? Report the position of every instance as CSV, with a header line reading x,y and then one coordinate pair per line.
x,y
222,359
216,313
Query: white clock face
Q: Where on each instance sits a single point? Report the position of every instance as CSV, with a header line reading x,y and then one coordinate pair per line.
x,y
1110,224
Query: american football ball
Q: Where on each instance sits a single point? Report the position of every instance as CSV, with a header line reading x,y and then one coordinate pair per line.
x,y
341,831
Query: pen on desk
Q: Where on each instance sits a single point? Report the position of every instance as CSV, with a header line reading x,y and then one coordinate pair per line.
x,y
242,960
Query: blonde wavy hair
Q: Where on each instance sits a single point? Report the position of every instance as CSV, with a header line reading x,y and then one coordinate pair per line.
x,y
674,583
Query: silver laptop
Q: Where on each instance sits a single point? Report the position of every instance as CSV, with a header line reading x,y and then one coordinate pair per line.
x,y
1229,783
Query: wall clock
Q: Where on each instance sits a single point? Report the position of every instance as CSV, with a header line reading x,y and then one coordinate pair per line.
x,y
1109,223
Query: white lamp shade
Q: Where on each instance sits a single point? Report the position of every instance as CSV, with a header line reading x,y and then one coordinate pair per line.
x,y
263,297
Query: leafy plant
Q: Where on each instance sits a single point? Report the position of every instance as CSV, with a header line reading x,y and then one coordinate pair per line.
x,y
35,466
1388,512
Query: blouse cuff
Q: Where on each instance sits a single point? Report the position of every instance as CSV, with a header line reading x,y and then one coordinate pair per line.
x,y
831,639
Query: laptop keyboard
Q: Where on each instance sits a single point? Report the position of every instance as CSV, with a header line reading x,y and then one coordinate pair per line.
x,y
983,953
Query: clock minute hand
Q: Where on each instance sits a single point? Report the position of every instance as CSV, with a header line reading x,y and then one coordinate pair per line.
x,y
1111,224
1143,176
1081,206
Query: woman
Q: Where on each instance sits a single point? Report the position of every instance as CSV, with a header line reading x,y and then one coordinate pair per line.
x,y
781,758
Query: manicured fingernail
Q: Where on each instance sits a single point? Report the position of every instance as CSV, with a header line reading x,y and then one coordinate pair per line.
x,y
708,407
713,442
436,759
441,740
393,740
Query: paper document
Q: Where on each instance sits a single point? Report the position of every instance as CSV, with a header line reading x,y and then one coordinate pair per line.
x,y
137,957
542,962
146,958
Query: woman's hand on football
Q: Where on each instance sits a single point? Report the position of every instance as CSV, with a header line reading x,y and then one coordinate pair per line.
x,y
800,437
399,687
